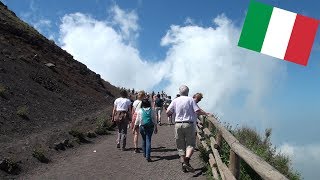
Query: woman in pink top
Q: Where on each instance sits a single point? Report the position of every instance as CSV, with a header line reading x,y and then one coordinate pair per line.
x,y
135,130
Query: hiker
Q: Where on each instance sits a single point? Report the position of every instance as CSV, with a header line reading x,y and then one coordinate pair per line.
x,y
158,103
166,105
135,109
147,125
121,116
186,110
197,98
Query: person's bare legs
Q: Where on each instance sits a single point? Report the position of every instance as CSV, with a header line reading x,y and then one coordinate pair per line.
x,y
189,152
135,141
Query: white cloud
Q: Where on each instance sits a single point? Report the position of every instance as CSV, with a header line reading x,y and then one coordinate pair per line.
x,y
209,61
41,24
127,22
104,50
305,157
189,21
206,59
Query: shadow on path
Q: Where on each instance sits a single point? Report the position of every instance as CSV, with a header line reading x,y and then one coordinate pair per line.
x,y
169,157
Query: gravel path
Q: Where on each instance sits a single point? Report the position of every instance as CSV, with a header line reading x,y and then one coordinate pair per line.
x,y
102,160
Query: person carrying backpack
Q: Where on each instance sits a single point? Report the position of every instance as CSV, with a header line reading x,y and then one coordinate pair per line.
x,y
158,103
147,125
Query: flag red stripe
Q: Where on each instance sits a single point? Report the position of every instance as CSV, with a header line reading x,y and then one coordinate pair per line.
x,y
301,40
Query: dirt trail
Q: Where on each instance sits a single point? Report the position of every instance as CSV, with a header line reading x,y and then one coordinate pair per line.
x,y
102,160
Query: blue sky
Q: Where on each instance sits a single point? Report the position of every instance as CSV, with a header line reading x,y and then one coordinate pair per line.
x,y
163,44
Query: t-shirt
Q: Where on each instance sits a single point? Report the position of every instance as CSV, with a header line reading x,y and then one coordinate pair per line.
x,y
184,108
122,104
139,116
158,102
137,104
167,102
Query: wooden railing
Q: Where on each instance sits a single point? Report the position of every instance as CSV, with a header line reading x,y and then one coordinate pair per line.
x,y
237,152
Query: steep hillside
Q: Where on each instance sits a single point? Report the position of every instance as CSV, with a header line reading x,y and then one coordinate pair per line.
x,y
44,92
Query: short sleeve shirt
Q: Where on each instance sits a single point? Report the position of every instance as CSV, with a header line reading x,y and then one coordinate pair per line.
x,y
184,108
122,104
137,104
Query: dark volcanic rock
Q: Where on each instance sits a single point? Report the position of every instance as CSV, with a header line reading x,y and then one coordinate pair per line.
x,y
57,97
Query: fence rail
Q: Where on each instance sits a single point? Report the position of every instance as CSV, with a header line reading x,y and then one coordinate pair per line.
x,y
237,152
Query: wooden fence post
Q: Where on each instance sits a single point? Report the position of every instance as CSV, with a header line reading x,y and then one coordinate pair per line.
x,y
234,165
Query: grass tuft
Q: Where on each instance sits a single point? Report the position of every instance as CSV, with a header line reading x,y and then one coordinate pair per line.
x,y
79,135
2,91
22,111
38,153
10,166
104,125
260,145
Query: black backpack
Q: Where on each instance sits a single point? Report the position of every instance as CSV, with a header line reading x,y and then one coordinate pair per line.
x,y
159,102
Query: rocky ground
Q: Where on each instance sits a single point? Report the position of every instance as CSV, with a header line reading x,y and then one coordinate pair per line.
x,y
44,94
102,160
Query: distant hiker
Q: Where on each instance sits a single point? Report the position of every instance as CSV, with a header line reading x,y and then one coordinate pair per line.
x,y
166,105
121,115
147,96
186,110
135,129
152,94
147,125
178,95
158,103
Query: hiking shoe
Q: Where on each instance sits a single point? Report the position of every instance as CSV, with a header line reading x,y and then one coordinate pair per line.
x,y
136,150
149,160
123,149
183,168
188,167
118,145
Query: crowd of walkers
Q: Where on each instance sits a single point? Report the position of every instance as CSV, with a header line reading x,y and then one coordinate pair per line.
x,y
143,116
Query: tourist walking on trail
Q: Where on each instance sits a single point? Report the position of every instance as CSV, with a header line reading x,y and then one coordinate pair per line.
x,y
158,103
121,115
166,105
147,125
186,110
135,129
197,98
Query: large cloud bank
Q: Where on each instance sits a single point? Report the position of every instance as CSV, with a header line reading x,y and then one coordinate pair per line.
x,y
206,59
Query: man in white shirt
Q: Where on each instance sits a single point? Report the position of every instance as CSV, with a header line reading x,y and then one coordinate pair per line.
x,y
121,115
186,110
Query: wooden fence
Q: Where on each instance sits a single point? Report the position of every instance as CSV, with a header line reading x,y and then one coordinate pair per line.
x,y
237,152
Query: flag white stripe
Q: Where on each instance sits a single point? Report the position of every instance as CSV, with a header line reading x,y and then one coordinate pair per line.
x,y
278,33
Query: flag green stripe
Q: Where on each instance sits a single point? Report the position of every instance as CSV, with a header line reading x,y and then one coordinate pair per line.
x,y
255,26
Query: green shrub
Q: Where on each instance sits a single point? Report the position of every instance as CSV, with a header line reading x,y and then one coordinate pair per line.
x,y
104,125
39,154
10,166
22,111
260,146
2,90
79,135
91,135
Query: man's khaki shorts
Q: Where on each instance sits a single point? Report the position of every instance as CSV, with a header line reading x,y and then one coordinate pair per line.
x,y
185,137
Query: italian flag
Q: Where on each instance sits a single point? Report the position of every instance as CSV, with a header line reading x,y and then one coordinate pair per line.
x,y
278,33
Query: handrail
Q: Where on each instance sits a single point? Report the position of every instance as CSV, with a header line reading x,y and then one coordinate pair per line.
x,y
237,151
